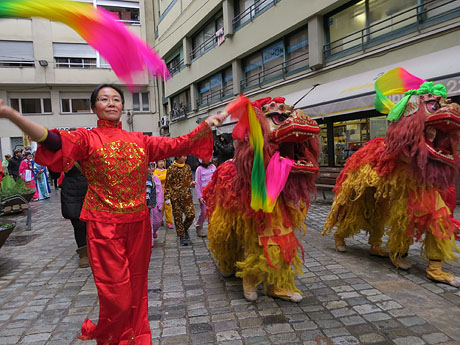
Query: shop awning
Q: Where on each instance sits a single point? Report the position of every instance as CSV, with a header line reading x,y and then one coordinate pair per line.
x,y
356,93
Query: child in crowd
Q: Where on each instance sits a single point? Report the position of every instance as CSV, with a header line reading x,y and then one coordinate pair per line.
x,y
26,172
178,182
161,173
203,175
155,191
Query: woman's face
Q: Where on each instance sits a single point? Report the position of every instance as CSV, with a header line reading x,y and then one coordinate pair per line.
x,y
29,157
161,164
108,105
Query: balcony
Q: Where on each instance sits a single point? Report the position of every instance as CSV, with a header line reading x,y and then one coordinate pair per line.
x,y
412,20
252,12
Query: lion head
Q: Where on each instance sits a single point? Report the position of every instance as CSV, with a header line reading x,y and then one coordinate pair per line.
x,y
426,137
295,136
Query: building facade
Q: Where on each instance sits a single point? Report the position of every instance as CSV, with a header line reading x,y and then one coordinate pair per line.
x,y
47,72
324,56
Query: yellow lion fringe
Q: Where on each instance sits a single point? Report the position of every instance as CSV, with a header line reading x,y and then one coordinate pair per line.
x,y
371,203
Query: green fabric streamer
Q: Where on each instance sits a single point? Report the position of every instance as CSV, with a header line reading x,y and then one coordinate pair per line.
x,y
426,88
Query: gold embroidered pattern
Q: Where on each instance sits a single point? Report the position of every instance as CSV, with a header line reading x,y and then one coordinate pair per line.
x,y
116,173
204,133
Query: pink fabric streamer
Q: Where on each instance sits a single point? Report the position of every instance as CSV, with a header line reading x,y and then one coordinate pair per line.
x,y
276,177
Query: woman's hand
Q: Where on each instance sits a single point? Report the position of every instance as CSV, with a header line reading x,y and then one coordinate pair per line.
x,y
6,112
217,119
201,200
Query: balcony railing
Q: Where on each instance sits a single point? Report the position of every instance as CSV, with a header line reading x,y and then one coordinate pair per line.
x,y
215,96
407,21
252,12
204,47
177,67
279,71
179,112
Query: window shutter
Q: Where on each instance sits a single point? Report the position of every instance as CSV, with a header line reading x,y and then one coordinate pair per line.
x,y
73,50
16,51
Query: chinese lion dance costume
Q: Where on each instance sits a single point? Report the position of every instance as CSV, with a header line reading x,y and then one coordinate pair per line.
x,y
399,185
254,213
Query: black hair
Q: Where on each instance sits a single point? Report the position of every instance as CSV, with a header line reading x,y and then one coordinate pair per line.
x,y
27,153
93,98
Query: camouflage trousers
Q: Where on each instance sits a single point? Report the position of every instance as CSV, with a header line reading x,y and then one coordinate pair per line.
x,y
180,207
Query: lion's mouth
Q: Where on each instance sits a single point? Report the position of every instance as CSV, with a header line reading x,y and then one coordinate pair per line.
x,y
297,152
440,137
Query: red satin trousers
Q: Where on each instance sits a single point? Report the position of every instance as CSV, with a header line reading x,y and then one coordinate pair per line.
x,y
119,255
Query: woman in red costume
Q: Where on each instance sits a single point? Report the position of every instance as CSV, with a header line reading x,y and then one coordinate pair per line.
x,y
115,163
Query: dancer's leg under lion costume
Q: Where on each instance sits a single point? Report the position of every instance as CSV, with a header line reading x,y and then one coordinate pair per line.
x,y
260,246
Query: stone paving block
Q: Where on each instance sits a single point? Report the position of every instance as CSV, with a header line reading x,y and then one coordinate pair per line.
x,y
371,338
202,338
347,340
336,332
9,340
324,324
38,337
352,320
409,341
411,321
285,338
435,338
366,309
376,317
227,336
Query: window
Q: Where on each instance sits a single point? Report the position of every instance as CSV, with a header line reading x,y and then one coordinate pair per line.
x,y
365,21
141,101
180,105
297,50
74,55
16,54
29,104
247,10
206,39
175,64
126,11
252,70
71,105
217,87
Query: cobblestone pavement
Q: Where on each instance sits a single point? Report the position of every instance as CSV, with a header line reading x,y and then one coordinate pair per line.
x,y
349,298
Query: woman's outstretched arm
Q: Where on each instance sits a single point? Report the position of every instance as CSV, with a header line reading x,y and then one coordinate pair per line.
x,y
36,132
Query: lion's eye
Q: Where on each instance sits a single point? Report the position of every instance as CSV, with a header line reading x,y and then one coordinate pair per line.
x,y
432,106
278,119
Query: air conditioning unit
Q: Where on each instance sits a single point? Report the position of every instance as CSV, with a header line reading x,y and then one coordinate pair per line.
x,y
164,121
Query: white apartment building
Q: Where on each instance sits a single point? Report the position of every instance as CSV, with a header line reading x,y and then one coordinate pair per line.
x,y
335,49
47,72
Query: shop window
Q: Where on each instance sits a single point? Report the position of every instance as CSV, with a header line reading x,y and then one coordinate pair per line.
x,y
16,54
141,101
31,105
349,136
323,157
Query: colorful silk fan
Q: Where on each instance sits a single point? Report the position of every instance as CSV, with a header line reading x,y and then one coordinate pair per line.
x,y
265,188
124,51
395,81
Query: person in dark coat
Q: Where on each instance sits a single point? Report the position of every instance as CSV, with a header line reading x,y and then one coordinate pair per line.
x,y
223,148
54,176
14,163
73,191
